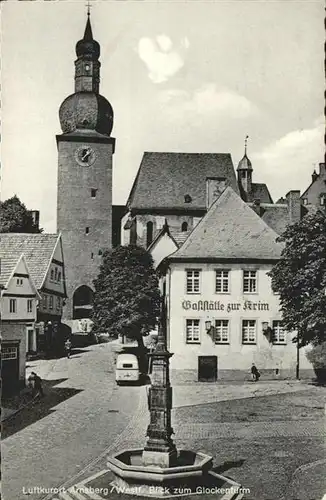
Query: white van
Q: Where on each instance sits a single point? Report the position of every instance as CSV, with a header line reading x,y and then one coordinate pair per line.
x,y
127,368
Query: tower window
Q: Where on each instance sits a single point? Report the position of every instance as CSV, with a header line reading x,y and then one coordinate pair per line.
x,y
100,252
184,226
93,193
149,235
87,67
92,255
87,230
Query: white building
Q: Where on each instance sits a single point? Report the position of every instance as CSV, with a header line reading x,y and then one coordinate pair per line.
x,y
18,310
222,312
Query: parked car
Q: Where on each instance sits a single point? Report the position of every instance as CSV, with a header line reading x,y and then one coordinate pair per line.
x,y
127,369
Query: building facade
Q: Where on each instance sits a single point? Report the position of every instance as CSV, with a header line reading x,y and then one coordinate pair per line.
x,y
18,310
44,257
84,198
315,194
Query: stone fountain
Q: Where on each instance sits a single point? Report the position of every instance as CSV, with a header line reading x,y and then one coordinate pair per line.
x,y
159,469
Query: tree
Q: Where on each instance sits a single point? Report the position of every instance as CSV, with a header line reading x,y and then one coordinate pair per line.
x,y
127,297
15,218
300,278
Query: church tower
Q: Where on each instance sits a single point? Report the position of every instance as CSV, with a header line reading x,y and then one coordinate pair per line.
x,y
245,175
84,198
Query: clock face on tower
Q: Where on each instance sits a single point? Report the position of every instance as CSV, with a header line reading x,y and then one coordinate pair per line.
x,y
85,156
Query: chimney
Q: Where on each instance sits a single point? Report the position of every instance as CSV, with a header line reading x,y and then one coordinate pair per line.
x,y
322,171
294,206
214,188
35,214
256,206
314,176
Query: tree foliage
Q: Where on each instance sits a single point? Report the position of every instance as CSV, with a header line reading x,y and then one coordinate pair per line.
x,y
127,297
300,278
15,218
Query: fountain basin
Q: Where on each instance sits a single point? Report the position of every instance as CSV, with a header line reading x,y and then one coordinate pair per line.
x,y
127,464
188,477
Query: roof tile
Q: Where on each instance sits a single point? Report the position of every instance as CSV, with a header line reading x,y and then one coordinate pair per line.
x,y
164,179
37,250
230,230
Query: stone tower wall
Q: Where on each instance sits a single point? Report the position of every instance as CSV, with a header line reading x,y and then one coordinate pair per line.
x,y
78,210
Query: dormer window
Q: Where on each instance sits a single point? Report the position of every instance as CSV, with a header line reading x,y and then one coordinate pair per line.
x,y
52,274
188,198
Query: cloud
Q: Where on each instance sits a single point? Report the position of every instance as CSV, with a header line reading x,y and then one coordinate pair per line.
x,y
160,56
207,100
288,162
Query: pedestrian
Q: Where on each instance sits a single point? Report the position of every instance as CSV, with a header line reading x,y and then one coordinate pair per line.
x,y
255,373
31,383
68,347
38,389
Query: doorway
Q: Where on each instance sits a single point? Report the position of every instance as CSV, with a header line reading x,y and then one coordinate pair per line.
x,y
207,368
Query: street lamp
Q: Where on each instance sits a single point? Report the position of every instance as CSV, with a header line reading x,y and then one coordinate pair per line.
x,y
208,325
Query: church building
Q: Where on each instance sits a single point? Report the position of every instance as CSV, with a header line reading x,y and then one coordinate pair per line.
x,y
84,197
175,189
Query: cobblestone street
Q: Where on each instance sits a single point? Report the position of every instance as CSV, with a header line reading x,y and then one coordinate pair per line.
x,y
61,440
260,435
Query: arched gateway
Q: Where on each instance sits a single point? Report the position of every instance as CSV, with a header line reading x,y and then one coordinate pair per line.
x,y
82,302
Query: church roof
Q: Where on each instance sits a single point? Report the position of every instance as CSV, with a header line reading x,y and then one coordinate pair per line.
x,y
260,192
165,179
37,250
230,230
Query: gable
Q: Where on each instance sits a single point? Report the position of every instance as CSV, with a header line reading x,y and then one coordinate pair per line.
x,y
20,281
162,247
37,249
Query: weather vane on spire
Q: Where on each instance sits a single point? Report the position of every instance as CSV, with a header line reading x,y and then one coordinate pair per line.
x,y
88,5
246,142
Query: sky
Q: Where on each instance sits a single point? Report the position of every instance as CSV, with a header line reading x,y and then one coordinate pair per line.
x,y
187,76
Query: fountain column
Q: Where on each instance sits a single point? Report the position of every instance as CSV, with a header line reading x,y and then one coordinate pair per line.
x,y
160,449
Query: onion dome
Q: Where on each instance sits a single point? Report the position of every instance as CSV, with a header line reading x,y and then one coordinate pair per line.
x,y
86,111
245,163
87,47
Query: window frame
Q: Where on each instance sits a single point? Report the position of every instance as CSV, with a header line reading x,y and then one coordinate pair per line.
x,y
248,342
12,306
29,305
222,292
10,352
249,278
192,292
221,341
280,330
192,342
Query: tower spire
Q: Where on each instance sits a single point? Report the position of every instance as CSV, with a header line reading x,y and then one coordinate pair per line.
x,y
88,5
246,143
